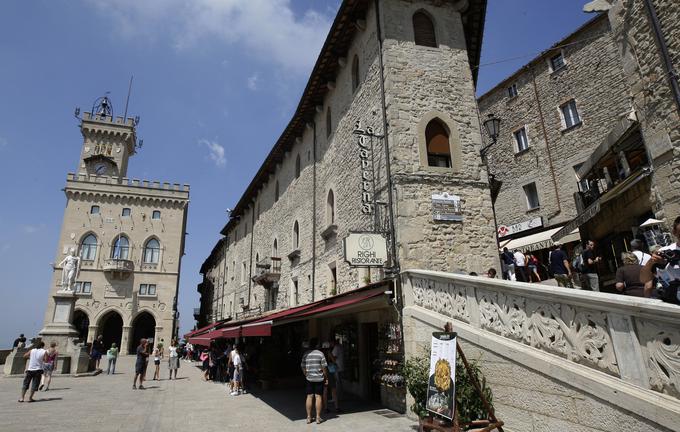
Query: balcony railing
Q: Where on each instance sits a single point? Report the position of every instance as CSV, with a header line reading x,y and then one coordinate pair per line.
x,y
119,267
267,270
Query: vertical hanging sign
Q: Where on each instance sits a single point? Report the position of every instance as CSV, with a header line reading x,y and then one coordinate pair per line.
x,y
366,158
441,387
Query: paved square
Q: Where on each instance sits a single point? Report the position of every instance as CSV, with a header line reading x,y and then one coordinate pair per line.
x,y
108,403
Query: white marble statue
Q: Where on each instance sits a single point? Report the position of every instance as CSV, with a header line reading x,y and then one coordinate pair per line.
x,y
70,269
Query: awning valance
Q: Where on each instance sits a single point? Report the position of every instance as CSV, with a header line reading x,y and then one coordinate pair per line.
x,y
621,130
538,241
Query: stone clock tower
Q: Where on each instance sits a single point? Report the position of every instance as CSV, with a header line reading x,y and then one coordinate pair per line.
x,y
129,236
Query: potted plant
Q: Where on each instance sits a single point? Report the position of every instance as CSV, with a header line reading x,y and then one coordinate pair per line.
x,y
469,405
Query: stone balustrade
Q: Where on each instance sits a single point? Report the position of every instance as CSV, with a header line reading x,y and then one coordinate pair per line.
x,y
634,339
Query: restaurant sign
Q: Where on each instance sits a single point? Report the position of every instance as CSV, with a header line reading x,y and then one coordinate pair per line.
x,y
365,144
506,230
365,249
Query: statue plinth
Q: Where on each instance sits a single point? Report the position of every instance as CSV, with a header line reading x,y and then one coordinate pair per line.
x,y
64,304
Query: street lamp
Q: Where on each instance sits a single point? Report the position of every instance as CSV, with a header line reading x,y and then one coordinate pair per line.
x,y
492,125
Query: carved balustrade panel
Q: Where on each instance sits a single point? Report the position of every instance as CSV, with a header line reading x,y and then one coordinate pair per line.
x,y
661,349
446,298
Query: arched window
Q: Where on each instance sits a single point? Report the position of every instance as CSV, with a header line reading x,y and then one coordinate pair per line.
x,y
152,251
423,30
88,248
329,122
437,141
355,73
257,258
296,235
275,249
276,191
121,248
297,166
330,208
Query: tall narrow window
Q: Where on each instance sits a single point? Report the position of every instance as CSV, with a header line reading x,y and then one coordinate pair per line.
x,y
570,114
243,272
295,293
152,251
532,196
276,191
330,208
296,235
438,150
121,248
297,166
329,122
275,249
521,140
88,248
94,209
423,30
355,73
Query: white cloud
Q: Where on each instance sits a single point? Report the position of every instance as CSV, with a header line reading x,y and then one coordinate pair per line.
x,y
266,29
215,152
252,81
32,229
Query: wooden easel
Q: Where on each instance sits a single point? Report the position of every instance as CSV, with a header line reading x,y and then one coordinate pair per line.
x,y
492,423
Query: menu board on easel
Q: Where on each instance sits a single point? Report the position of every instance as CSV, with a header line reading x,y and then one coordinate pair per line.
x,y
441,388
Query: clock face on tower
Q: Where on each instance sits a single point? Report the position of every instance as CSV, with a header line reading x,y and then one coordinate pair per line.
x,y
100,168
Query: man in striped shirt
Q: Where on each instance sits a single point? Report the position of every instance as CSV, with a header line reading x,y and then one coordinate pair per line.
x,y
315,369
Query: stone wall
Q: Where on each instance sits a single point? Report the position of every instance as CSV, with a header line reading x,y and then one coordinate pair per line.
x,y
649,86
593,76
555,358
420,83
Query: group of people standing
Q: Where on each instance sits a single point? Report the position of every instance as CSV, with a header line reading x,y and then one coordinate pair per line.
x,y
520,267
226,365
322,369
143,353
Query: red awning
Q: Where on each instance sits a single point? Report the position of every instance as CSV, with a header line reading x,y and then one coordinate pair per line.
x,y
201,330
206,338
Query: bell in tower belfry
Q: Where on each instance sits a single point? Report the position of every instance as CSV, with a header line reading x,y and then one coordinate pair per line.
x,y
102,106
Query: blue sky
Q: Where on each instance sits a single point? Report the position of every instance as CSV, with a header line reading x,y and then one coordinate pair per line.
x,y
215,82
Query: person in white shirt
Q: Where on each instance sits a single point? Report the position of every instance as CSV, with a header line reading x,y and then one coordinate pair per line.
x,y
238,371
636,247
36,362
520,266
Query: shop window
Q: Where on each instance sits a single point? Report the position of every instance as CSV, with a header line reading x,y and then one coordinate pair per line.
x,y
437,141
94,209
531,194
423,30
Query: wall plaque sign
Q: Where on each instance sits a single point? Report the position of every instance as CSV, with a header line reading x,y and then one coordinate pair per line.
x,y
446,207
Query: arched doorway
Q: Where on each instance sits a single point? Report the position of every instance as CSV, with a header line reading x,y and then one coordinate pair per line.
x,y
82,324
143,326
111,328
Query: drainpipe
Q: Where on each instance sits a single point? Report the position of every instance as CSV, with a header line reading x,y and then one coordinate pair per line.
x,y
661,41
252,237
386,143
313,122
547,144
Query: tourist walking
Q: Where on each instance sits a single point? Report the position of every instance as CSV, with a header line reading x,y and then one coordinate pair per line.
x,y
205,364
157,356
97,350
36,362
520,266
173,358
49,366
237,362
508,261
140,364
590,261
560,267
636,246
628,277
315,369
112,357
533,264
20,342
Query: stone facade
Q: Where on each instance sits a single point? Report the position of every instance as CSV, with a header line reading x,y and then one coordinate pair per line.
x,y
657,109
594,79
129,291
421,83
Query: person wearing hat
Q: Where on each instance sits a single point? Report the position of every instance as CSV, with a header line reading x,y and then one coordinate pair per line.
x,y
560,268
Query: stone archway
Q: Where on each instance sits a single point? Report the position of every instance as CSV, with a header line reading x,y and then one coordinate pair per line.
x,y
82,323
143,326
111,328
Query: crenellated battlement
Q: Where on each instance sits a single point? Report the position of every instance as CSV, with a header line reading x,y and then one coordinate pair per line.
x,y
118,120
127,182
